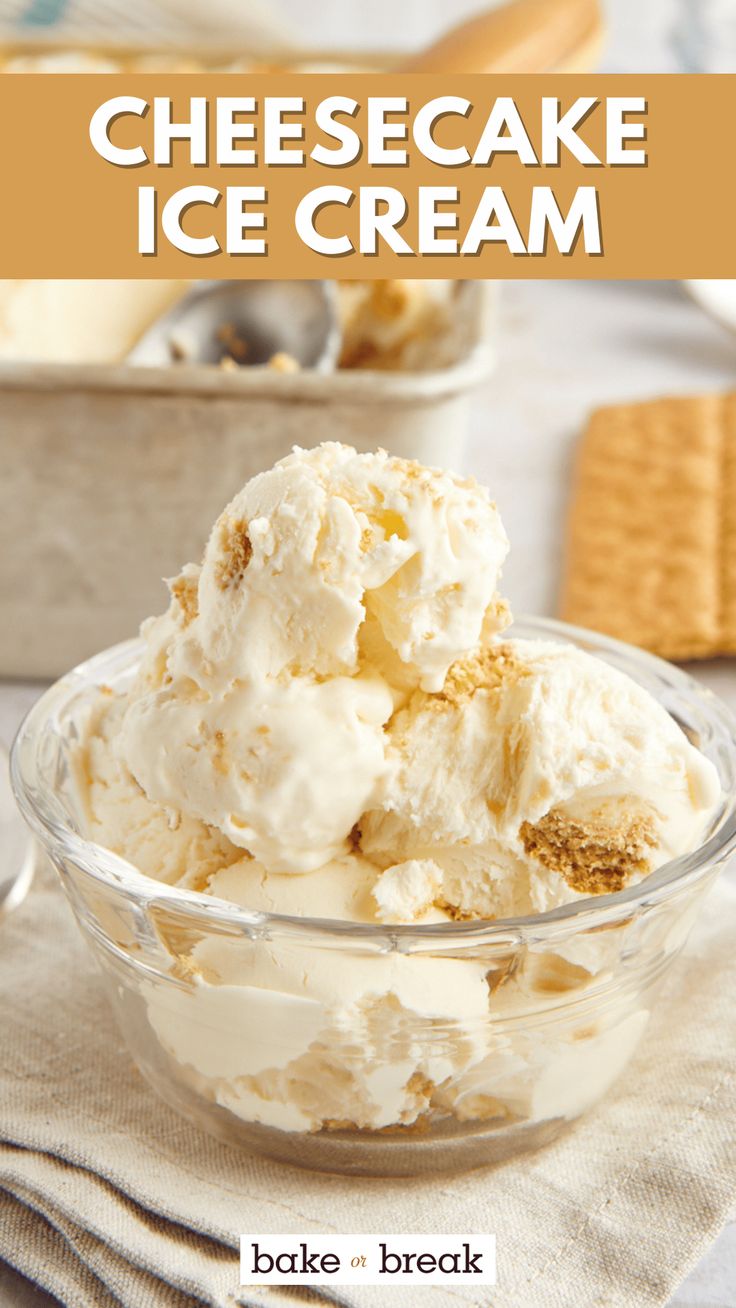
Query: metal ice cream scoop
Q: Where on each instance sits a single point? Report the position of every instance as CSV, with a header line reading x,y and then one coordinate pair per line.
x,y
247,322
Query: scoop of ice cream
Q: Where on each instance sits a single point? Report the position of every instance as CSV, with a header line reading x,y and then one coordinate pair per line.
x,y
165,844
537,774
306,551
330,586
179,849
393,324
282,769
79,321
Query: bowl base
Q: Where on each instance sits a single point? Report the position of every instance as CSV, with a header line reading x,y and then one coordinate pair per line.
x,y
448,1146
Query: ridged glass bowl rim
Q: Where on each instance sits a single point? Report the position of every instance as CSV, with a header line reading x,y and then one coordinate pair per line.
x,y
48,817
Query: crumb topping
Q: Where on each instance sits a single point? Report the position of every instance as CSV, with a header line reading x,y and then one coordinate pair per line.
x,y
595,857
283,362
236,346
453,911
236,553
185,592
489,669
388,303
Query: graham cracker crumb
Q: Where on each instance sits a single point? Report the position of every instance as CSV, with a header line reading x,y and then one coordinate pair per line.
x,y
498,615
388,302
282,362
452,911
595,857
185,592
489,669
236,553
418,1084
412,469
236,346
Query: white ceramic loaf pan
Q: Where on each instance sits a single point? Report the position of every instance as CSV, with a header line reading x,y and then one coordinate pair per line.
x,y
112,476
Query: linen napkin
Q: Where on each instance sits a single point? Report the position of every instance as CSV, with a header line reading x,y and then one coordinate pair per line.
x,y
108,1197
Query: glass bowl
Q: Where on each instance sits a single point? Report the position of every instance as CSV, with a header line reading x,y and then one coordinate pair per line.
x,y
16,847
384,1050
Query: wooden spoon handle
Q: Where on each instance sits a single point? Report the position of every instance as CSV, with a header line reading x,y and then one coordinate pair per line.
x,y
524,36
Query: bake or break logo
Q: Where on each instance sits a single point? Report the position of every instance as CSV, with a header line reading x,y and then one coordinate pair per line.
x,y
367,1259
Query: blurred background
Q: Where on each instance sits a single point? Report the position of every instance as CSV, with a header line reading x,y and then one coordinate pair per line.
x,y
499,380
656,36
496,379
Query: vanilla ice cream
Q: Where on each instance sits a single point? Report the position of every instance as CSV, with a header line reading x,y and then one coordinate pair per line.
x,y
272,709
68,321
390,324
559,776
329,722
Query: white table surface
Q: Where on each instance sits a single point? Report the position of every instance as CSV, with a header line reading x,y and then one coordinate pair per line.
x,y
564,347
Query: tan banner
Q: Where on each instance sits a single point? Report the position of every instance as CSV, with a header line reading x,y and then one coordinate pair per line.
x,y
339,175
